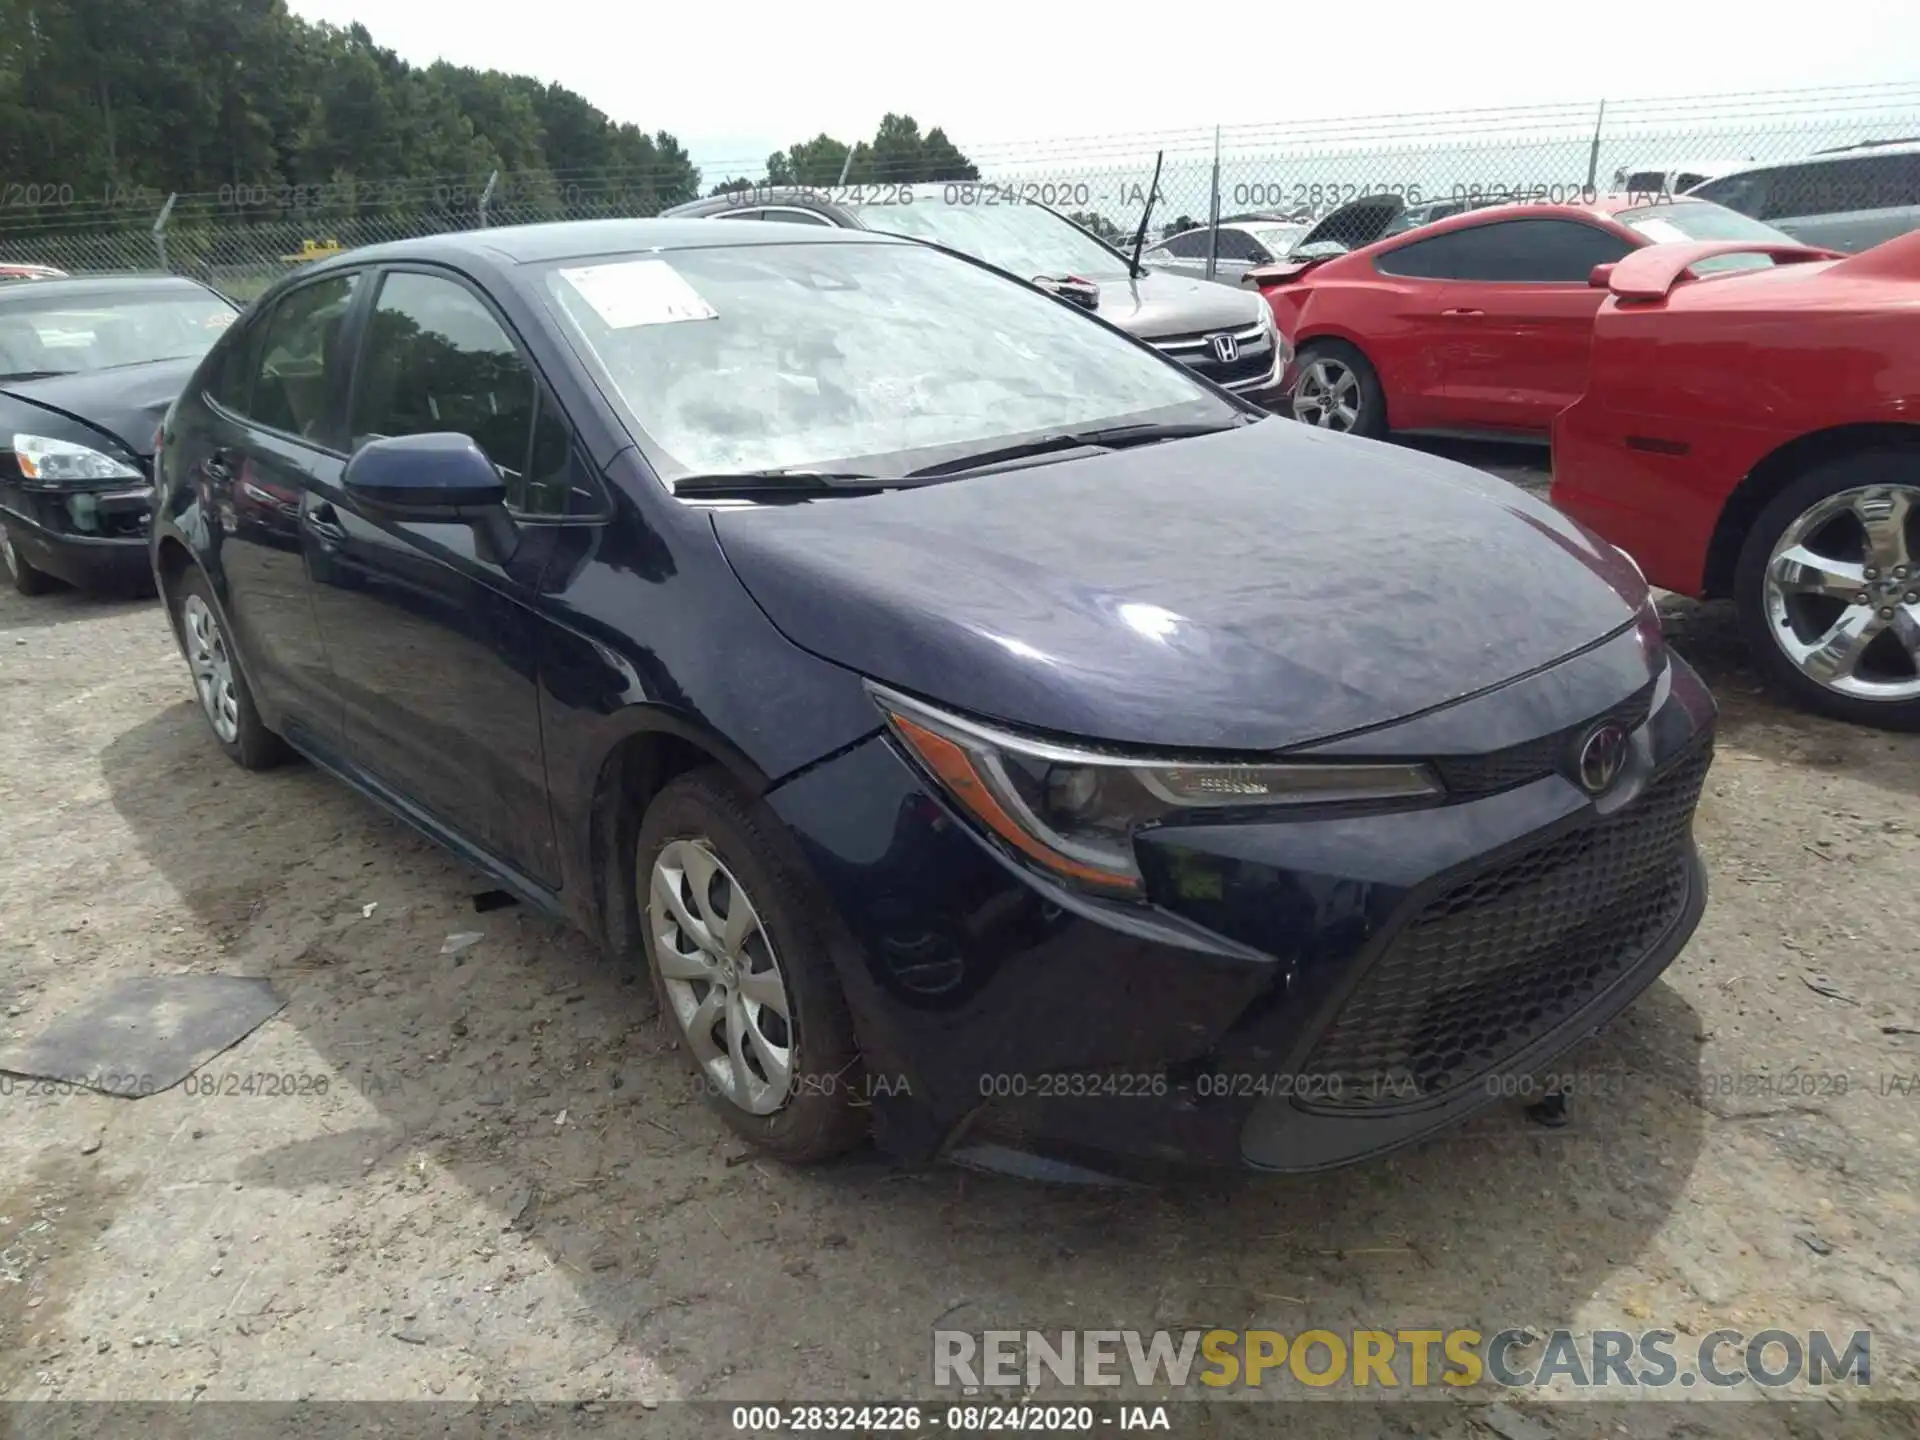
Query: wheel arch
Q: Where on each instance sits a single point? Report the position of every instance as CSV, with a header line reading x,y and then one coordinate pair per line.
x,y
171,560
656,747
1772,474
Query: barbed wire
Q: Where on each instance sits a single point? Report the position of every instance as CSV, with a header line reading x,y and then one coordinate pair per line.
x,y
248,232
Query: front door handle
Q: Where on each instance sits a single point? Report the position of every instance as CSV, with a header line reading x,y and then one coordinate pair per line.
x,y
1463,314
324,521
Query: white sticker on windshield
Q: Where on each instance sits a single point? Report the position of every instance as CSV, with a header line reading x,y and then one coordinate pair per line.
x,y
1661,231
639,292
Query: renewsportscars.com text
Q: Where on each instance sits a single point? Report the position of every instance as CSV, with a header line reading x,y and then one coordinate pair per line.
x,y
1401,1359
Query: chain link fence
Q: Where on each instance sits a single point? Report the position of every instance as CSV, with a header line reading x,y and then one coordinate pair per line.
x,y
243,236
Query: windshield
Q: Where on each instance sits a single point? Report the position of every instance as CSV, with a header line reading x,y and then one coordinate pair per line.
x,y
1703,220
811,356
64,333
1026,239
1277,239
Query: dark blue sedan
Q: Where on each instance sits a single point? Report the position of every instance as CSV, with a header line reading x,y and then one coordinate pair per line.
x,y
990,736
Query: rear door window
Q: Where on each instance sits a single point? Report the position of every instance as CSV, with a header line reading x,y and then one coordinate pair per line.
x,y
293,366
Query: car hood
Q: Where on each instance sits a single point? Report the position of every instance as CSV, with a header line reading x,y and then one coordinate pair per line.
x,y
1158,305
1248,591
1357,223
126,402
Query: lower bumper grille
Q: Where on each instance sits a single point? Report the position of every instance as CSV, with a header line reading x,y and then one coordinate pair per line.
x,y
1511,954
1237,372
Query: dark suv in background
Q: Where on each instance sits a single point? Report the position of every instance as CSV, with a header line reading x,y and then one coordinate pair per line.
x,y
1210,328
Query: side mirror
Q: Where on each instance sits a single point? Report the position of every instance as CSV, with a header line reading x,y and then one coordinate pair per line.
x,y
1601,276
419,475
435,477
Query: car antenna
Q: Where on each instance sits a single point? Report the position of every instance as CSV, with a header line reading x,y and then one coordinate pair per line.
x,y
1153,190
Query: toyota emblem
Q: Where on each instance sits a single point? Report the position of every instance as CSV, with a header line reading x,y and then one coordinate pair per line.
x,y
1226,349
1602,754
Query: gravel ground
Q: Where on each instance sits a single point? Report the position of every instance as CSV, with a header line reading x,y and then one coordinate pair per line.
x,y
508,1188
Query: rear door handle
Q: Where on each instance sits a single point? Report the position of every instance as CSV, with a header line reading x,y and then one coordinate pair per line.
x,y
323,520
1464,314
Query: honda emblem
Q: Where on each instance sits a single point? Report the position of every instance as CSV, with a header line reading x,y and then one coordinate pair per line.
x,y
1226,349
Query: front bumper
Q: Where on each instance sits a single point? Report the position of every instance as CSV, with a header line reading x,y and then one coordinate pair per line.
x,y
95,538
1239,1018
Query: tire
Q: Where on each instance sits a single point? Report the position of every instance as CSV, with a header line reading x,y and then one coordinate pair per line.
x,y
1841,518
225,701
703,817
26,579
1331,378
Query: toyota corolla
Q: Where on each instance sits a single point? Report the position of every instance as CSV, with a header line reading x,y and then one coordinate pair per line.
x,y
991,737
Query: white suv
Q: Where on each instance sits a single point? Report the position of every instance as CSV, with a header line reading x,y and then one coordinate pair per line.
x,y
1845,199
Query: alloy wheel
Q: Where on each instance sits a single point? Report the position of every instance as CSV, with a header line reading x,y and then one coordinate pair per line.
x,y
1842,593
1327,394
721,976
212,666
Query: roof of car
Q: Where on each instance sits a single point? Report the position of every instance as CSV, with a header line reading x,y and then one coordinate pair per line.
x,y
579,239
97,285
1857,151
1606,206
1242,225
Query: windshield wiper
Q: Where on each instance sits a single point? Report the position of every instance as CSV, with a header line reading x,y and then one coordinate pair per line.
x,y
35,374
1109,437
750,484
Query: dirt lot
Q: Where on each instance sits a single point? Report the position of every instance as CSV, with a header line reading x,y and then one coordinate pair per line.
x,y
508,1189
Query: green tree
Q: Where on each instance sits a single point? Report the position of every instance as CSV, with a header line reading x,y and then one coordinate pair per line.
x,y
897,154
1099,225
99,98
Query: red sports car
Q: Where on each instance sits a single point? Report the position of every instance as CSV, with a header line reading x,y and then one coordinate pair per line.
x,y
1474,324
1758,436
11,270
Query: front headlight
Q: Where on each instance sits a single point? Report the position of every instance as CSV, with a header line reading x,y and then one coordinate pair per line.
x,y
1282,352
1074,811
53,462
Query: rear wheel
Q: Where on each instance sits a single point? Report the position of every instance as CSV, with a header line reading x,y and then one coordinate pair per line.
x,y
1828,589
1335,388
26,579
221,689
738,939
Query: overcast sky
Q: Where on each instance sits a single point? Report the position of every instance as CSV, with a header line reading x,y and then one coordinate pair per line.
x,y
737,79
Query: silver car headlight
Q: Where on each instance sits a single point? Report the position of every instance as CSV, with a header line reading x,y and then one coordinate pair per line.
x,y
57,462
1282,352
1074,812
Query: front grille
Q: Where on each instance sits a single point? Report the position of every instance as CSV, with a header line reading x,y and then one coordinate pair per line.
x,y
1195,351
1467,776
1512,953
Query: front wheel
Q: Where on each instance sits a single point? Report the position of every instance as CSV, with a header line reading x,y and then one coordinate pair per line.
x,y
1828,589
738,939
24,578
1334,388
